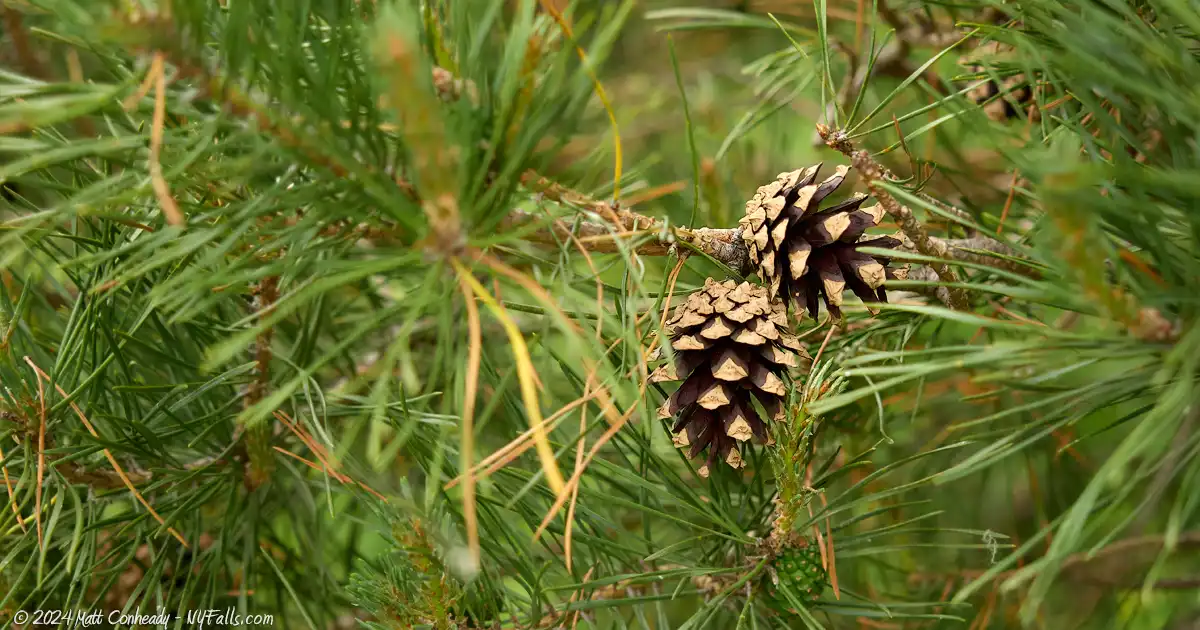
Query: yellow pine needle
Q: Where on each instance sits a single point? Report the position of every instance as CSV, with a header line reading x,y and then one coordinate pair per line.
x,y
600,442
108,454
607,407
612,117
524,375
8,486
467,452
501,456
157,181
41,459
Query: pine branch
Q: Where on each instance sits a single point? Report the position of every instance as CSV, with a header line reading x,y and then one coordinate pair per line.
x,y
722,244
288,129
261,462
871,173
959,249
28,59
838,140
726,244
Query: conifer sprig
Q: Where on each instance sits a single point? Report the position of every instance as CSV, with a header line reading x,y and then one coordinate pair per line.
x,y
338,308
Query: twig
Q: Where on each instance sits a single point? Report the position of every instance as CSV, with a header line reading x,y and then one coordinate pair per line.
x,y
99,479
724,245
958,250
257,438
871,173
966,250
26,57
837,139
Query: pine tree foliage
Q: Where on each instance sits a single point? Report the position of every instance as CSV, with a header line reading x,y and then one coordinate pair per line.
x,y
346,311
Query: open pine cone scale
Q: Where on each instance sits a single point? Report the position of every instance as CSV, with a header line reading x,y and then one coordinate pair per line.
x,y
808,253
732,349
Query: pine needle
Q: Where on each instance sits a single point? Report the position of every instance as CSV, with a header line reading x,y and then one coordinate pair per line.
x,y
311,464
505,454
467,450
41,459
1012,190
8,486
312,445
548,5
657,192
111,460
578,594
148,83
607,407
589,388
608,435
326,459
161,190
575,489
832,568
821,350
525,375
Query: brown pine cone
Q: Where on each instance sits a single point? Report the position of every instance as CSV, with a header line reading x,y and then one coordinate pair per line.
x,y
807,253
732,347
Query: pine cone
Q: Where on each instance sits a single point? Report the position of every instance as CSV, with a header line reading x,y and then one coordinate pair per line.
x,y
800,570
806,253
731,347
1017,85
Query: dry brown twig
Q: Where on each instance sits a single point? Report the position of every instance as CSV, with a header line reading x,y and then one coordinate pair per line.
x,y
871,173
917,238
612,229
722,244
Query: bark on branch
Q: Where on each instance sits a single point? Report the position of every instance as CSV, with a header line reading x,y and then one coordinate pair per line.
x,y
722,244
871,173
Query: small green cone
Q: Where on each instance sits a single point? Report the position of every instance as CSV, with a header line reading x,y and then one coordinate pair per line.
x,y
799,571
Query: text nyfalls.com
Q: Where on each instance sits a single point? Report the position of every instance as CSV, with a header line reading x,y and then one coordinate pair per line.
x,y
200,618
